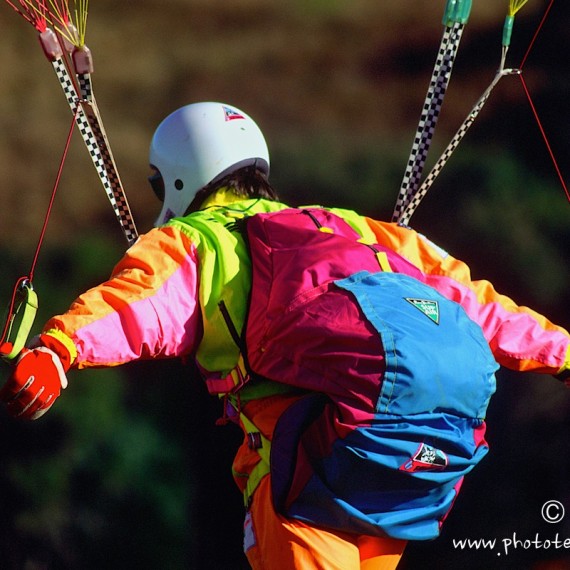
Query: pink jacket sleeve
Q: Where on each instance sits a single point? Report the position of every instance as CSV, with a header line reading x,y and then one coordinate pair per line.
x,y
147,309
520,338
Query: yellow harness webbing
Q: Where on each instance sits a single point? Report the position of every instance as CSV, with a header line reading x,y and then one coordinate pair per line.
x,y
262,468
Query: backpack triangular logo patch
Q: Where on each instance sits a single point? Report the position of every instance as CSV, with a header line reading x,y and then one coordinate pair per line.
x,y
429,308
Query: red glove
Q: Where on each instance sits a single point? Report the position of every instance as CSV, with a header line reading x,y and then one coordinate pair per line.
x,y
35,383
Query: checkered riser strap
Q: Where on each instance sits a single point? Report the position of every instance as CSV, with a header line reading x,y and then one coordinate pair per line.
x,y
430,114
85,87
82,124
410,207
115,190
116,194
97,147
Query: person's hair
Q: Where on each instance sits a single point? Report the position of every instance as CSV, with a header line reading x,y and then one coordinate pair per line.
x,y
248,182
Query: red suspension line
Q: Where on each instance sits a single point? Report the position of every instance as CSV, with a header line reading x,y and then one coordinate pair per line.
x,y
532,105
53,192
536,34
545,138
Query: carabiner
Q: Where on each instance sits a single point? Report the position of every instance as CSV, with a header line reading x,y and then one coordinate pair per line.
x,y
21,315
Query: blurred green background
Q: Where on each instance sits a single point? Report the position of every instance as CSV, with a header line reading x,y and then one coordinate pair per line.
x,y
128,469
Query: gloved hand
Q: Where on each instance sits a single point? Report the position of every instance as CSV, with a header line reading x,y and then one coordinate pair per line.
x,y
34,384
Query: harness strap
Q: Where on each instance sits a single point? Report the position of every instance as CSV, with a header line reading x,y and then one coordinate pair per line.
x,y
262,446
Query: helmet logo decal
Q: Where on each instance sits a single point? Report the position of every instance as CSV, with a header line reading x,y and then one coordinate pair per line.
x,y
232,114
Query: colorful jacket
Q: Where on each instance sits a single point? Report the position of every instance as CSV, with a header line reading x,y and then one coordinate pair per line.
x,y
163,301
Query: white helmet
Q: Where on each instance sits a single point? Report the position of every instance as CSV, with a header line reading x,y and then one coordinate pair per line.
x,y
199,144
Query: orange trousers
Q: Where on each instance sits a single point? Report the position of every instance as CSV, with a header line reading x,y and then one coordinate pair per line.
x,y
272,542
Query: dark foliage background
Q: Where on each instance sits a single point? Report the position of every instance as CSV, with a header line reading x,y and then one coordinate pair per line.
x,y
128,469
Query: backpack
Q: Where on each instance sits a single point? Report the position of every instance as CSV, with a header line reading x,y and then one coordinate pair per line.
x,y
398,378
